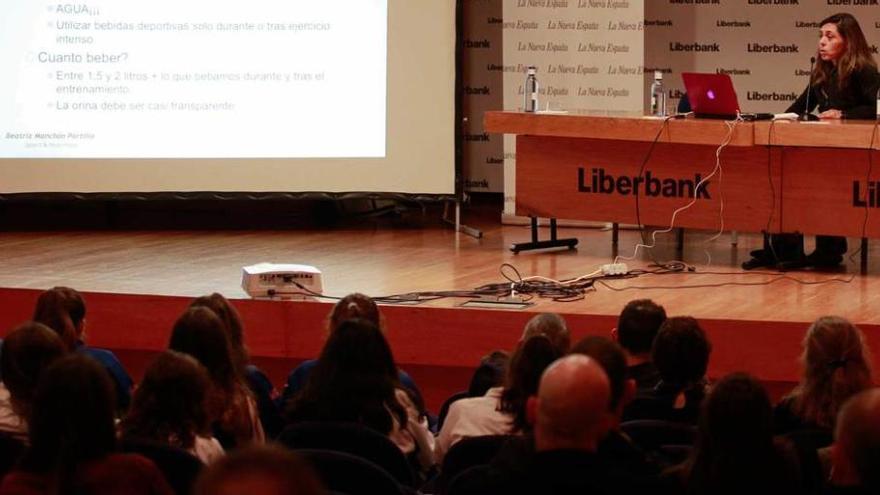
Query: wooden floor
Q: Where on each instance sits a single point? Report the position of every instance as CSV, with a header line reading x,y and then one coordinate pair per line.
x,y
377,258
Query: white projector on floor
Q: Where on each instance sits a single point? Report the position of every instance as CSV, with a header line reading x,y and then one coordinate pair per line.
x,y
282,280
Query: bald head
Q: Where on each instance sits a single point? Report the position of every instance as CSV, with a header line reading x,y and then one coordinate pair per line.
x,y
571,410
552,326
857,438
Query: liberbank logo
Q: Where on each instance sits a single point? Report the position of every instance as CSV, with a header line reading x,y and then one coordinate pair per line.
x,y
601,182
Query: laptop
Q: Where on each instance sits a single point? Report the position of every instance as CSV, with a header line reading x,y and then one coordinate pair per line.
x,y
711,95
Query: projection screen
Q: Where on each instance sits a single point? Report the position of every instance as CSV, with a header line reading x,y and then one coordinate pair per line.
x,y
196,95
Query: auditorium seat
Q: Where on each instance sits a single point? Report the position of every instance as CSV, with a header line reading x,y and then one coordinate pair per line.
x,y
651,434
466,453
351,475
353,439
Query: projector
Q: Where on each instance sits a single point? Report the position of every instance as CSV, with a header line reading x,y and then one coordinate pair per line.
x,y
283,280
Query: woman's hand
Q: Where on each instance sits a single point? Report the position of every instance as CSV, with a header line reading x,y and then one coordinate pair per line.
x,y
831,114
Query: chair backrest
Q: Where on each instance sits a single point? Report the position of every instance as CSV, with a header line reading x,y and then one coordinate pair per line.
x,y
469,452
11,450
350,438
349,474
179,466
651,434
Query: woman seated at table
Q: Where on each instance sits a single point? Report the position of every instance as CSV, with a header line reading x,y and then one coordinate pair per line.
x,y
843,85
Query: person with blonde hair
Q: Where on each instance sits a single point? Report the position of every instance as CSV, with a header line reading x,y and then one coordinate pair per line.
x,y
836,366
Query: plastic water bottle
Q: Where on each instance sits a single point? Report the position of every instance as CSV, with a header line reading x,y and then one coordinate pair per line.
x,y
658,95
530,91
878,105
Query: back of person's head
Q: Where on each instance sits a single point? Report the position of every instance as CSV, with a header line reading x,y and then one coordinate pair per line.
x,y
199,332
836,365
857,439
72,416
735,450
231,323
611,357
28,351
638,324
490,373
170,404
353,306
355,379
263,470
681,351
63,310
571,407
552,326
531,358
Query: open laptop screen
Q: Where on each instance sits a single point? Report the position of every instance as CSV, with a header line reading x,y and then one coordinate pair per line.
x,y
711,95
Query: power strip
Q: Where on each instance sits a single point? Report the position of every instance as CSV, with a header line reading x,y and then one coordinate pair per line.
x,y
614,269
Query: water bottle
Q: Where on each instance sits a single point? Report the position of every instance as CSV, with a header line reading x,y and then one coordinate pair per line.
x,y
878,105
530,91
658,95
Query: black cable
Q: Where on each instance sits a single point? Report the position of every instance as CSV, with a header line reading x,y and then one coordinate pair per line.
x,y
867,181
777,278
644,165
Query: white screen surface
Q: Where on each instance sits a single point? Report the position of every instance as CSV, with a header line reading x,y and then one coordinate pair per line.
x,y
268,95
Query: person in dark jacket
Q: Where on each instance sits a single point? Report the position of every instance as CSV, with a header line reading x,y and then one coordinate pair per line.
x,y
843,85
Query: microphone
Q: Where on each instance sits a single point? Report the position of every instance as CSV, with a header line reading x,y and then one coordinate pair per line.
x,y
807,116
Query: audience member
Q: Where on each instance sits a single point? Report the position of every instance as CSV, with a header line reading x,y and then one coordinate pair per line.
x,y
199,332
552,326
264,470
170,406
835,367
73,441
637,326
735,451
64,310
627,463
356,380
681,355
351,306
502,409
856,451
490,373
570,417
28,351
257,381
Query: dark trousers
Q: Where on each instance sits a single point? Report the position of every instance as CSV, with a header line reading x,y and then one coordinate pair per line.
x,y
788,247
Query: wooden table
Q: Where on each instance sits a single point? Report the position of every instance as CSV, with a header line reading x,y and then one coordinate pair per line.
x,y
814,178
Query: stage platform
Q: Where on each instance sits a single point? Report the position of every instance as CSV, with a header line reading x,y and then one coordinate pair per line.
x,y
138,282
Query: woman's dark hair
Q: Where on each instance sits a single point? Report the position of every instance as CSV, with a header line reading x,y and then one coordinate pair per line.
x,y
735,451
857,55
71,420
353,306
528,363
199,332
836,365
355,380
170,405
231,322
28,351
63,310
490,373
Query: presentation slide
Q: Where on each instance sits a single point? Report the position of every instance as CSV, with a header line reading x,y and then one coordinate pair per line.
x,y
127,96
193,79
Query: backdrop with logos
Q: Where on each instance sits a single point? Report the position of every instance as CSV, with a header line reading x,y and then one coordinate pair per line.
x,y
764,45
589,56
599,55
